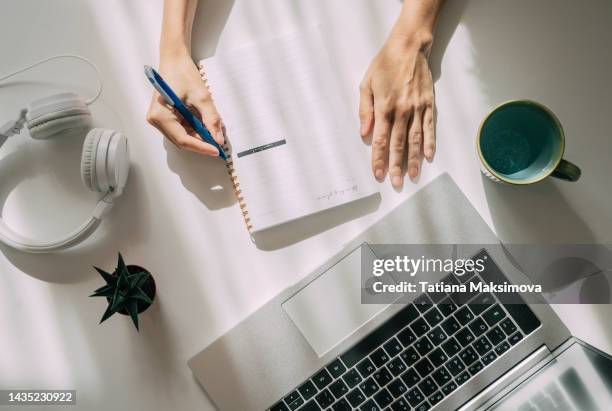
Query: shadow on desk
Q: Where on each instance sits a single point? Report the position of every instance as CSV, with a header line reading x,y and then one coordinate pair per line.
x,y
126,225
296,231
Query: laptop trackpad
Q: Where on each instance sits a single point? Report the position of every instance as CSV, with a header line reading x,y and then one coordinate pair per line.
x,y
329,308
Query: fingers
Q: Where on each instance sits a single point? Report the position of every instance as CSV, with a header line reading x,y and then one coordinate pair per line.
x,y
397,149
210,116
380,145
366,109
415,141
429,133
168,124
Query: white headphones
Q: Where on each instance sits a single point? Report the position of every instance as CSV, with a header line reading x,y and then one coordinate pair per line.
x,y
105,162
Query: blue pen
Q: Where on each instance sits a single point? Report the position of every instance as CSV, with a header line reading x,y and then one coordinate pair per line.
x,y
164,89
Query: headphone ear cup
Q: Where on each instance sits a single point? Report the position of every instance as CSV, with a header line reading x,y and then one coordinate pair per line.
x,y
57,114
88,158
105,162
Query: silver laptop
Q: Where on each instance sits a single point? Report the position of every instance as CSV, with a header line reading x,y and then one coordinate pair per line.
x,y
315,346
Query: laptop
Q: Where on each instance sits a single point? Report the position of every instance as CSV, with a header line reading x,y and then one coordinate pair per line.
x,y
315,346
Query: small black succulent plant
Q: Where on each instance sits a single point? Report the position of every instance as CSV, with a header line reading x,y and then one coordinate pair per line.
x,y
129,290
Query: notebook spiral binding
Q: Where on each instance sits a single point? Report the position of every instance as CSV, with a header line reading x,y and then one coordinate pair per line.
x,y
229,163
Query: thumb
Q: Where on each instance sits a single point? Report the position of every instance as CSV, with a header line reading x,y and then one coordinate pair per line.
x,y
212,119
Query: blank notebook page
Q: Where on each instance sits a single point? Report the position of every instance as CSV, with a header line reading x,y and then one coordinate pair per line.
x,y
294,145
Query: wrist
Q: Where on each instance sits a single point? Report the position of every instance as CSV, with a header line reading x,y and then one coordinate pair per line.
x,y
418,40
173,50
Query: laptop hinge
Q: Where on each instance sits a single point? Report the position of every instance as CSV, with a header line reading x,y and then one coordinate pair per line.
x,y
508,381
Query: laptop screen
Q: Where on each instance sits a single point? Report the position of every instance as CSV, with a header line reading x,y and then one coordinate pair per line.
x,y
577,379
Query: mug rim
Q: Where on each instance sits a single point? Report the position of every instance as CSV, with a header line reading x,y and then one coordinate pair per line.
x,y
529,180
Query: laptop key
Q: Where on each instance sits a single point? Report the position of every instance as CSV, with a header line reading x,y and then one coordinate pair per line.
x,y
450,326
410,356
336,368
410,378
393,347
494,315
448,388
423,407
515,338
508,326
435,398
475,368
428,386
307,390
464,315
369,405
279,407
351,378
365,367
322,379
355,397
488,358
325,399
296,404
455,366
373,340
400,405
424,367
502,348
437,357
451,347
338,388
447,307
478,327
382,377
523,316
465,337
397,388
311,406
414,397
462,378
436,336
481,303
433,317
383,398
423,346
406,337
468,356
379,357
436,297
482,345
341,405
292,397
369,387
396,366
496,335
419,327
423,303
441,376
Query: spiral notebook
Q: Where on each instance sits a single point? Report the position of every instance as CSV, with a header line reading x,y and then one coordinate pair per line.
x,y
294,146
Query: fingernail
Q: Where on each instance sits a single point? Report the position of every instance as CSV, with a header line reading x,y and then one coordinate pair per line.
x,y
220,137
362,130
397,181
413,172
380,174
429,153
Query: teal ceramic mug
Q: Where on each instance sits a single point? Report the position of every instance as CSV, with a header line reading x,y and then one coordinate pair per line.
x,y
522,142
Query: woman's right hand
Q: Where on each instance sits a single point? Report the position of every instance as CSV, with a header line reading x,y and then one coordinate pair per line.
x,y
181,73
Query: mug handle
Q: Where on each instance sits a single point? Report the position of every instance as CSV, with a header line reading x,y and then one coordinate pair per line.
x,y
567,171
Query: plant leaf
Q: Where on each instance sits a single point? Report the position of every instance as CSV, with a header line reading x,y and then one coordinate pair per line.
x,y
122,282
141,295
109,311
119,300
136,279
133,310
103,293
121,267
109,278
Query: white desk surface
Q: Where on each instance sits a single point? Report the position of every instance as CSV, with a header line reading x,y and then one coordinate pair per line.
x,y
209,274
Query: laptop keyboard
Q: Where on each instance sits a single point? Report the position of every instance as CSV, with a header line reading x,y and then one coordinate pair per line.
x,y
421,354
